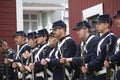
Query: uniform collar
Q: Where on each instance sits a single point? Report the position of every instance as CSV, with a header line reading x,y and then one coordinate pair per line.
x,y
88,37
105,34
60,40
22,45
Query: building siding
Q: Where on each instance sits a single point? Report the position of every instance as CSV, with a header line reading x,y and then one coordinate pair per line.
x,y
76,7
8,21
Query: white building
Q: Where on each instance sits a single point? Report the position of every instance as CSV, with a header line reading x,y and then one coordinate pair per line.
x,y
39,14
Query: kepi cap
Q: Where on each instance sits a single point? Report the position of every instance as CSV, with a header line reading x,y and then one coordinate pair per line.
x,y
117,14
80,25
20,33
103,19
31,35
42,32
1,42
58,24
51,34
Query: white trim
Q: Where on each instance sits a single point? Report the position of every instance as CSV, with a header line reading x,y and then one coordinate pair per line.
x,y
42,8
97,9
19,15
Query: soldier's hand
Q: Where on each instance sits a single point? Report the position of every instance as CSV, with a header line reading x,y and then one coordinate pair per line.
x,y
47,59
107,63
84,69
31,65
43,62
14,65
26,54
22,68
69,59
27,68
62,60
6,61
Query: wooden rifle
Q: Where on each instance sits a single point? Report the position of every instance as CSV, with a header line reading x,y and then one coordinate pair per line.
x,y
63,65
108,69
83,59
45,66
44,56
23,74
6,66
15,70
32,62
83,52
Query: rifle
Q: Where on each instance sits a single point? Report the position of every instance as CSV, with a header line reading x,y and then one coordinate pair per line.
x,y
108,69
45,67
83,58
15,70
6,69
23,75
82,52
63,65
32,70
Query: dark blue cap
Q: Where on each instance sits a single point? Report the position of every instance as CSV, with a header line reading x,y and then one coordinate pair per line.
x,y
20,33
104,19
1,42
51,34
31,35
58,24
42,32
80,25
117,14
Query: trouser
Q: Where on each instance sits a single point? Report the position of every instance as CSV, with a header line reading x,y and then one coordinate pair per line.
x,y
101,77
39,78
118,75
89,76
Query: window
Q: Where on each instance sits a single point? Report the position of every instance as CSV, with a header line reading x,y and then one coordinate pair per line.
x,y
93,25
30,22
44,19
66,18
91,14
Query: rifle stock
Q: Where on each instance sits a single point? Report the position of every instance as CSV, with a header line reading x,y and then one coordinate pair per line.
x,y
63,66
45,68
6,71
23,74
83,59
15,70
32,70
108,70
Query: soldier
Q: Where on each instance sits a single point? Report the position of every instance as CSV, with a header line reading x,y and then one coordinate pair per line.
x,y
104,23
115,59
32,43
20,39
42,42
65,47
6,70
50,48
89,43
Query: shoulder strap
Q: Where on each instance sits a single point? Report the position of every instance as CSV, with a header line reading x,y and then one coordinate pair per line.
x,y
37,55
20,50
59,46
100,42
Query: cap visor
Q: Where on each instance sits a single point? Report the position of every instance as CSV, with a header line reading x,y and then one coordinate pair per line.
x,y
115,16
77,28
53,28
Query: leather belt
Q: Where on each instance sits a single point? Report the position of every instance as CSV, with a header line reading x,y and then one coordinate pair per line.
x,y
100,72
